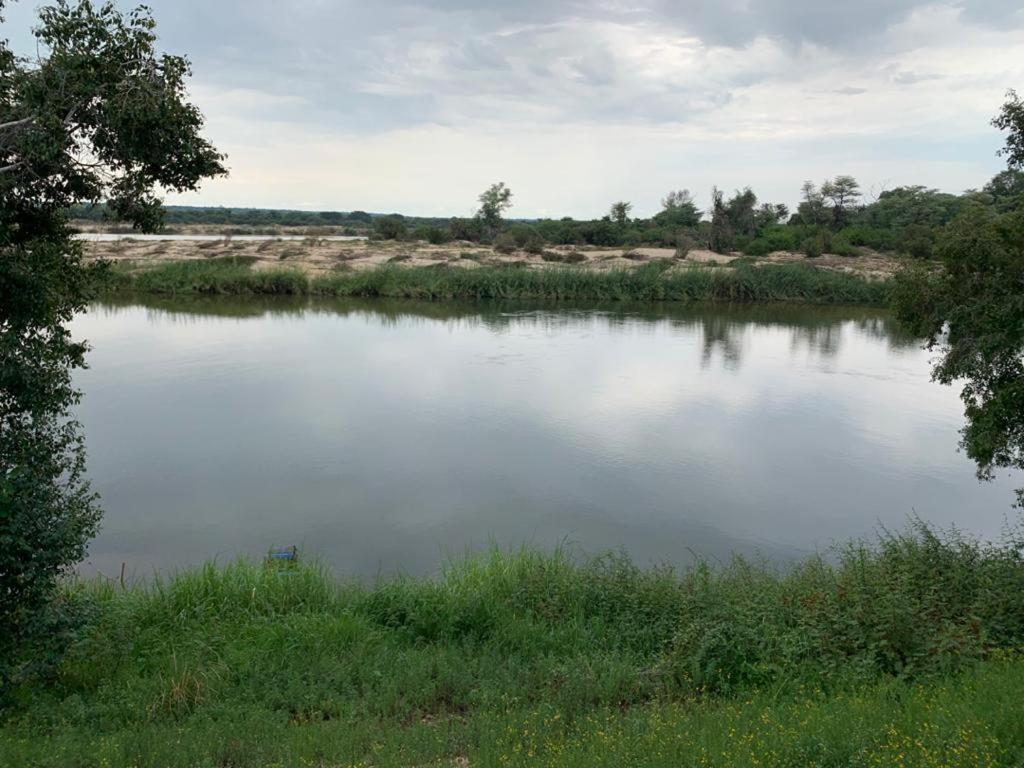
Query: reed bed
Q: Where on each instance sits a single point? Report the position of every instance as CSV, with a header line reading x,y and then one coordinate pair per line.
x,y
657,281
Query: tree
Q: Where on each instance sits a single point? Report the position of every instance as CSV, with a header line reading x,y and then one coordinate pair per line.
x,y
721,238
678,210
620,213
811,210
972,311
769,214
741,212
494,201
390,227
1011,119
101,115
843,192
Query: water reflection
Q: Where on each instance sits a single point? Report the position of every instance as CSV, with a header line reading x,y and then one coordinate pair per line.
x,y
386,435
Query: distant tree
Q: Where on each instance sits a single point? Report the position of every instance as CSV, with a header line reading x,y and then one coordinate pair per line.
x,y
1011,120
903,206
620,213
740,210
812,211
678,210
99,115
494,201
361,216
843,192
972,311
1006,190
390,227
769,214
721,237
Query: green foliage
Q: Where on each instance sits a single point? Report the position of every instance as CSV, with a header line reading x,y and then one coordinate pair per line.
x,y
916,240
619,213
1011,120
160,673
390,227
678,211
843,192
972,310
902,207
433,235
101,114
650,282
494,201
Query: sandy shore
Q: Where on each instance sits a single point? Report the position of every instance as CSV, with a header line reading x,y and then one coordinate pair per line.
x,y
316,255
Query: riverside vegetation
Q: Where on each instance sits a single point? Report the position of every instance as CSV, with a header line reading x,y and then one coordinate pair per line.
x,y
903,652
655,281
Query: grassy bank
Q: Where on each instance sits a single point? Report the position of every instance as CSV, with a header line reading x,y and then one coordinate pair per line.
x,y
650,282
904,649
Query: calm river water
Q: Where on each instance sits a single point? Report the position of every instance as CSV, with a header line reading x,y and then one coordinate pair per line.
x,y
389,437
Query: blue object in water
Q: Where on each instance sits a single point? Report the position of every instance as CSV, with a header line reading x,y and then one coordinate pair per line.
x,y
284,553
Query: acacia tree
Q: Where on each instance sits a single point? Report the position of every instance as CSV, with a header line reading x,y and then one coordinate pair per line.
x,y
972,311
100,116
494,201
843,192
619,213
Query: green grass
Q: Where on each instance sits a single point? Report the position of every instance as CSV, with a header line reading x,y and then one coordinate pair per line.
x,y
650,282
905,647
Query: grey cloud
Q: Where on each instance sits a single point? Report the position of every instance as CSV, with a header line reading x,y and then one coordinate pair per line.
x,y
850,90
912,78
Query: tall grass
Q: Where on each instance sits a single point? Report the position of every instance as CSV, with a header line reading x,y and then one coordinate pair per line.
x,y
597,660
650,282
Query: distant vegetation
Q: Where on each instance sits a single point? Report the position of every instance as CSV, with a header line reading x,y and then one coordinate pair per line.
x,y
654,281
832,217
898,653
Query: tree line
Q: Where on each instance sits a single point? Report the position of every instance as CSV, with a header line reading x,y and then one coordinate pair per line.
x,y
831,217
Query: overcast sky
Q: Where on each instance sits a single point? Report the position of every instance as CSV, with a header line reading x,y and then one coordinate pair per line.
x,y
417,106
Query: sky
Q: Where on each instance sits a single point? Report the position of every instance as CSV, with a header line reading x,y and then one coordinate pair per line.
x,y
417,106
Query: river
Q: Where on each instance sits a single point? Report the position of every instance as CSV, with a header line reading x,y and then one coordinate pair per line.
x,y
387,437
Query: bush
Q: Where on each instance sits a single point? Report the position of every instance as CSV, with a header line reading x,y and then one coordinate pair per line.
x,y
842,247
684,244
504,243
471,230
390,227
563,257
817,244
434,235
869,237
916,240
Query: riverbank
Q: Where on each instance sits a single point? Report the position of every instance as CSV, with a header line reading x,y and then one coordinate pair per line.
x,y
656,281
317,255
899,653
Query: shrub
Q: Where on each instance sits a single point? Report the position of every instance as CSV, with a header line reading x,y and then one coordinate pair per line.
x,y
916,240
390,227
817,244
435,236
684,244
563,257
842,247
504,243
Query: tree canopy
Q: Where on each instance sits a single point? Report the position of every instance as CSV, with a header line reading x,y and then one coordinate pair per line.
x,y
972,310
99,115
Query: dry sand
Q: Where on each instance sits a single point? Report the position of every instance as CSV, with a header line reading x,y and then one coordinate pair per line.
x,y
317,255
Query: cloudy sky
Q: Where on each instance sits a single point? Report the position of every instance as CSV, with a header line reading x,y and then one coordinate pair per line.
x,y
416,106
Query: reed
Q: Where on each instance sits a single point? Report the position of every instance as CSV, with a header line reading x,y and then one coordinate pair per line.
x,y
656,281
